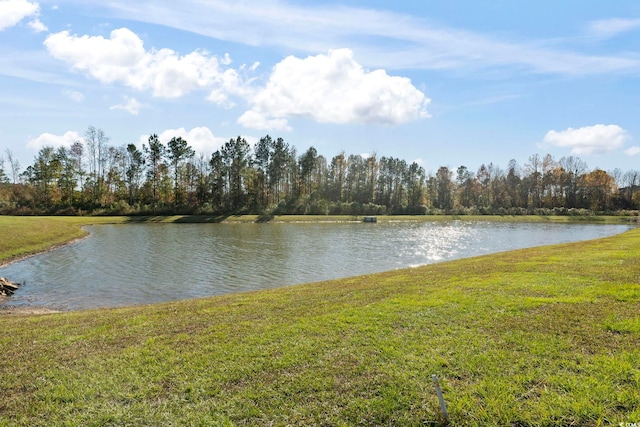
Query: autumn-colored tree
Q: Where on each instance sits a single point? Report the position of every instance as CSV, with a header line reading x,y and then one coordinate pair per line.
x,y
597,190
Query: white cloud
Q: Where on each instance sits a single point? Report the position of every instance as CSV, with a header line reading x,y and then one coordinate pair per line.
x,y
632,151
74,95
608,28
334,88
131,105
589,140
254,120
383,39
201,139
37,26
48,139
14,11
123,59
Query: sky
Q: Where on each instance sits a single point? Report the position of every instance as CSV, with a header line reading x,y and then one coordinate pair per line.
x,y
455,83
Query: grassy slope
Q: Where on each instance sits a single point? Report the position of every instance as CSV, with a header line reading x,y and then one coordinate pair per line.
x,y
544,336
21,236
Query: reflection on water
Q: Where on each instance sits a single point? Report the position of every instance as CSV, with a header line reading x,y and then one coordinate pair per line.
x,y
137,264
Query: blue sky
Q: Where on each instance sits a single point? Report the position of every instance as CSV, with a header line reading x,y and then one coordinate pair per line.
x,y
442,83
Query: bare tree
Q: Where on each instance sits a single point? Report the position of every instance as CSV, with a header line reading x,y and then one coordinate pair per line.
x,y
14,164
96,142
534,170
630,182
574,168
3,175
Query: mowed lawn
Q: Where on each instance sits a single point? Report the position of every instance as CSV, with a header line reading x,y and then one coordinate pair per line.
x,y
542,336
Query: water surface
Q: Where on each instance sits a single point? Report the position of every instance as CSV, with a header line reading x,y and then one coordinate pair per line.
x,y
147,263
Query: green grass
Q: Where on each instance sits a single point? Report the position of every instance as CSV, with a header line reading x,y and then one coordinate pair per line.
x,y
21,236
612,219
542,336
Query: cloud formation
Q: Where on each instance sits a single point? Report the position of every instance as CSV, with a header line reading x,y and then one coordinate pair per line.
x,y
14,11
383,39
201,139
254,120
37,26
51,140
632,151
333,88
608,28
131,105
588,140
122,58
74,95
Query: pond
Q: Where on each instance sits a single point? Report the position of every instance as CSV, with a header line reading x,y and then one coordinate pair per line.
x,y
146,263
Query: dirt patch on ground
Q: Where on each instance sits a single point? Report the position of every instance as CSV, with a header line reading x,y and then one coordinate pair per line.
x,y
24,311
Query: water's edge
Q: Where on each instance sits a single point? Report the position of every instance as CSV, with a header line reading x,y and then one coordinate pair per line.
x,y
167,262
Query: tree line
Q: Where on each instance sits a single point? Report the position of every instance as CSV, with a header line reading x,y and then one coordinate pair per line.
x,y
93,176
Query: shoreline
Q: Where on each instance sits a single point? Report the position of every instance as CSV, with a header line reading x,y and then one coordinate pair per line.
x,y
19,258
27,309
550,335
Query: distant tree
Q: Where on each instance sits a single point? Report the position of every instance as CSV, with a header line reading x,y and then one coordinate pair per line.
x,y
218,179
292,176
134,167
96,142
262,159
415,180
44,174
279,162
178,152
384,184
3,176
484,176
336,178
573,169
498,194
14,166
444,188
91,174
397,172
513,185
355,182
235,157
202,171
598,188
630,183
372,168
68,178
320,176
76,152
466,187
155,153
115,178
307,165
617,176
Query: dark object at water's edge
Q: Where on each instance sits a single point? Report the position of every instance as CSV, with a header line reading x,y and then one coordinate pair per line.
x,y
7,287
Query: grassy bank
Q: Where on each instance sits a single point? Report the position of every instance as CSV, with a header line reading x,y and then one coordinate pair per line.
x,y
21,236
543,336
384,218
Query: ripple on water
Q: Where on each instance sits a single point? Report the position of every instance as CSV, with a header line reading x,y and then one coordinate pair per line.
x,y
138,264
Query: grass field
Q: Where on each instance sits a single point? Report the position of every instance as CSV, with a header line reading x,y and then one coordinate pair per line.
x,y
542,336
